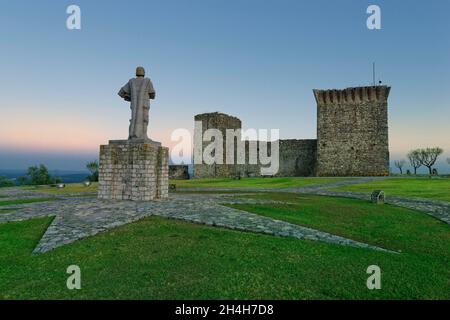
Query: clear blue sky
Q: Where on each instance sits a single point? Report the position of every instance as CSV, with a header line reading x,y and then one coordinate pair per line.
x,y
258,60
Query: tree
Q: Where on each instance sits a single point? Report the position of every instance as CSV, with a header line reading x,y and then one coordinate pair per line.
x,y
22,180
38,175
400,164
5,182
414,159
92,166
429,156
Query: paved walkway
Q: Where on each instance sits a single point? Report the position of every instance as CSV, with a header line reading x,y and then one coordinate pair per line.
x,y
80,217
77,218
435,208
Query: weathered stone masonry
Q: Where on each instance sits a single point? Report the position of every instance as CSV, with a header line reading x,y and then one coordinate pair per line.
x,y
297,157
178,172
352,138
221,122
133,171
352,132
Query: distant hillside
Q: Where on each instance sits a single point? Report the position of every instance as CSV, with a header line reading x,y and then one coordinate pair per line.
x,y
65,175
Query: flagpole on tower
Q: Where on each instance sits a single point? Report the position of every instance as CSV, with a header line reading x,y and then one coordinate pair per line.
x,y
373,73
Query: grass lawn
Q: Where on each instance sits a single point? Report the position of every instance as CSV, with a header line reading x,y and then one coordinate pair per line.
x,y
386,226
436,188
157,258
70,188
260,183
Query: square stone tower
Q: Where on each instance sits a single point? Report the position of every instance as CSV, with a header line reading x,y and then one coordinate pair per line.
x,y
352,131
222,122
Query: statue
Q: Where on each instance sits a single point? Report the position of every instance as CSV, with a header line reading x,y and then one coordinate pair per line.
x,y
138,91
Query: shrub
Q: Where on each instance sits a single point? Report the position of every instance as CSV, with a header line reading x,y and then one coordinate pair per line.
x,y
5,182
93,169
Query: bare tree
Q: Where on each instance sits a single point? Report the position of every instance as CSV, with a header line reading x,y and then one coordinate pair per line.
x,y
414,159
400,164
429,156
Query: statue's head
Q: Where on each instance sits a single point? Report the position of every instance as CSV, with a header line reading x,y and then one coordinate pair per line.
x,y
140,72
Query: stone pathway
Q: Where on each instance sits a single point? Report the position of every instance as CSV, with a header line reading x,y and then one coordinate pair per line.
x,y
312,188
435,208
82,216
10,194
77,218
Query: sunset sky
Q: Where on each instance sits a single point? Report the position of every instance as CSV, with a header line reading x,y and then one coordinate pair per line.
x,y
257,60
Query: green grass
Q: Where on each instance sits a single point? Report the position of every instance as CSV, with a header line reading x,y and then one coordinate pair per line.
x,y
69,189
436,188
157,258
386,226
6,210
24,201
260,183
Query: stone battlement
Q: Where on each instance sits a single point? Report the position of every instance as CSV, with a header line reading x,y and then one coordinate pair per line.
x,y
352,95
352,138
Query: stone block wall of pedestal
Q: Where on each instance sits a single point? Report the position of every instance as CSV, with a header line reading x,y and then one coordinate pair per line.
x,y
133,171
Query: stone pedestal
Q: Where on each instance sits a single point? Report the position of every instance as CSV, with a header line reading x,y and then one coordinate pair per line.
x,y
133,170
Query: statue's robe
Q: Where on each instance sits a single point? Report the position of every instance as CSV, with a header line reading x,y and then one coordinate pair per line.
x,y
138,91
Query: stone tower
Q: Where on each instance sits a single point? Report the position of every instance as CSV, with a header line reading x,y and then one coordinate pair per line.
x,y
352,131
221,122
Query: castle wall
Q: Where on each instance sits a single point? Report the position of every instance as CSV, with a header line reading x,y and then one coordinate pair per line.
x,y
298,158
352,139
178,172
352,132
221,122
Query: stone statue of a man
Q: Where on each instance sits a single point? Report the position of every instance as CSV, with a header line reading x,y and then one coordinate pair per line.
x,y
138,91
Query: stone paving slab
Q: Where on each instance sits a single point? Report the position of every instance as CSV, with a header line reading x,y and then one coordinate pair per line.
x,y
435,208
11,194
78,218
315,187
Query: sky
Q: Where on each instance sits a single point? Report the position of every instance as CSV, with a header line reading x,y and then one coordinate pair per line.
x,y
257,60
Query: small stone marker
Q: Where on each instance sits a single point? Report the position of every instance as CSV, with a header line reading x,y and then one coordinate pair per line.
x,y
87,183
378,197
61,185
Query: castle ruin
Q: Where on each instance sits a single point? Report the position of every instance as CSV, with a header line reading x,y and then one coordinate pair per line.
x,y
352,132
352,139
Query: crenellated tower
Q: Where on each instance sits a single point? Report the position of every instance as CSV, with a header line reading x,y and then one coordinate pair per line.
x,y
352,131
